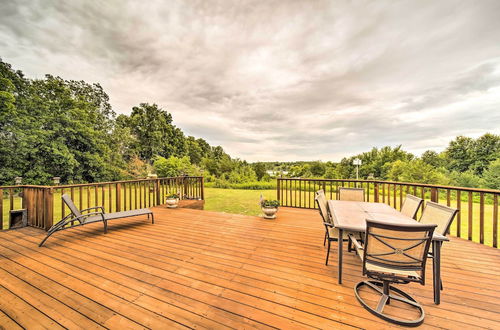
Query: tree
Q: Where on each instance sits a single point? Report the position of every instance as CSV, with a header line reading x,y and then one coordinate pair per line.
x,y
154,132
260,170
433,158
317,169
492,175
172,166
194,150
486,150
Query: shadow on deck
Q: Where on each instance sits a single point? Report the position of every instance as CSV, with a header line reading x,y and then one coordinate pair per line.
x,y
215,270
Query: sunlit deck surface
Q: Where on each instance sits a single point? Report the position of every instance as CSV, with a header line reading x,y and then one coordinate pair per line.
x,y
203,269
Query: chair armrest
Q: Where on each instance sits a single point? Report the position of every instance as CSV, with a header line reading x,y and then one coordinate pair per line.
x,y
93,208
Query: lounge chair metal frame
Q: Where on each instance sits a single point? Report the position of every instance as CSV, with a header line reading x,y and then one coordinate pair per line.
x,y
78,218
394,263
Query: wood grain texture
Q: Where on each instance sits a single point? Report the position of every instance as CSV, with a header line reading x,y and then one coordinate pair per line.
x,y
201,269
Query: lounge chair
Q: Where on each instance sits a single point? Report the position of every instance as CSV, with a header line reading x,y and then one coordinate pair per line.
x,y
393,253
352,194
83,217
411,205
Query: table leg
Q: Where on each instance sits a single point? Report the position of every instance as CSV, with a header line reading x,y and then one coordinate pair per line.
x,y
341,240
436,260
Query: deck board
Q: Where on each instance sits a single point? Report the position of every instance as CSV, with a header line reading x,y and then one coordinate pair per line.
x,y
201,269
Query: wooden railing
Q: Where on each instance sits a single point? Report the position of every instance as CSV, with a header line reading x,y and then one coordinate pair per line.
x,y
44,205
477,220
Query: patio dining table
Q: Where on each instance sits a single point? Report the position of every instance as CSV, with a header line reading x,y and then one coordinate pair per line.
x,y
351,217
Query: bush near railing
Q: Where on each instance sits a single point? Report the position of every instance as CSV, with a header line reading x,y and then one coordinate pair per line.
x,y
477,220
44,204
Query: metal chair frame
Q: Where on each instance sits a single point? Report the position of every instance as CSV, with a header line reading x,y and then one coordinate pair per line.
x,y
328,224
382,280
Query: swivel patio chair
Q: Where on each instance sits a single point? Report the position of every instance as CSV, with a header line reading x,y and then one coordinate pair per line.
x,y
411,205
393,253
331,233
352,194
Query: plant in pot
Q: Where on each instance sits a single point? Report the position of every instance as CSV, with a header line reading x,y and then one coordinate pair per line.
x,y
269,208
172,201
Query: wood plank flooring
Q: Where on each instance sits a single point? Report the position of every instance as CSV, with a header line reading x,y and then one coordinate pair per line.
x,y
201,269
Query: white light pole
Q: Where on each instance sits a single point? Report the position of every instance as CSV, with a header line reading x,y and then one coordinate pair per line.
x,y
357,162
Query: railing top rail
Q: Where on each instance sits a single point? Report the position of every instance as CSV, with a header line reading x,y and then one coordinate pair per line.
x,y
479,190
98,183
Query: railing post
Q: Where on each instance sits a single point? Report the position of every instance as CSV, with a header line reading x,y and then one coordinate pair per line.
x,y
118,197
375,192
48,204
158,190
434,195
202,188
278,183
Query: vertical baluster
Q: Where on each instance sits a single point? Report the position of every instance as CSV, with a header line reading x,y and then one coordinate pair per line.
x,y
470,216
459,215
495,220
481,218
62,205
1,210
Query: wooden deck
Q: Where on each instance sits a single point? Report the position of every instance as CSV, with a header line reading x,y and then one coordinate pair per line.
x,y
201,269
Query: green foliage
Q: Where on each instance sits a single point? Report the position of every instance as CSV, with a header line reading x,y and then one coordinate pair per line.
x,y
415,171
172,196
466,179
260,170
173,166
269,203
492,175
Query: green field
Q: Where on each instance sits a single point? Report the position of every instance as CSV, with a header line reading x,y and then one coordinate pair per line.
x,y
246,202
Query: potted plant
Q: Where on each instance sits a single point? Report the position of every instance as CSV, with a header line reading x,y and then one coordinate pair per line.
x,y
269,207
172,201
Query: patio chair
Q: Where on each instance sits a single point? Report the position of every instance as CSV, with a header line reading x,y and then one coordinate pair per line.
x,y
331,233
351,194
411,205
440,215
83,217
393,253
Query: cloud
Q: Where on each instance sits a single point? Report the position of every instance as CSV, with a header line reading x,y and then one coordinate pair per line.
x,y
278,80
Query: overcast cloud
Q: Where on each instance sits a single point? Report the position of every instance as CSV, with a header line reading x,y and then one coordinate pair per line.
x,y
278,80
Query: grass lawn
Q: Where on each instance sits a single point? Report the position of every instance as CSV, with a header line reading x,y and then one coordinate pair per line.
x,y
237,201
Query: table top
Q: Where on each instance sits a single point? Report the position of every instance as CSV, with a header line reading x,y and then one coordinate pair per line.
x,y
352,216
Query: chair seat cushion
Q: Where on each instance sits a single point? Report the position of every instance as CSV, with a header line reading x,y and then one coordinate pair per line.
x,y
379,269
117,215
334,233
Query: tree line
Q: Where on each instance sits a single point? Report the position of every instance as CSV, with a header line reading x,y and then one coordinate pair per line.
x,y
53,127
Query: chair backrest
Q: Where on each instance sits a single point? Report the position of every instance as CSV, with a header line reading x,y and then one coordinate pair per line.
x,y
396,247
66,199
352,194
411,205
322,205
440,215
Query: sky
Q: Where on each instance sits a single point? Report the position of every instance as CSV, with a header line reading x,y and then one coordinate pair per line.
x,y
278,80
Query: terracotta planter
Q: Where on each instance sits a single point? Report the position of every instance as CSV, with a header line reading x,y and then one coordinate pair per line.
x,y
269,212
172,203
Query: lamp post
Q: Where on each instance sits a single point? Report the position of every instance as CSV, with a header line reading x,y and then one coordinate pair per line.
x,y
357,162
56,180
